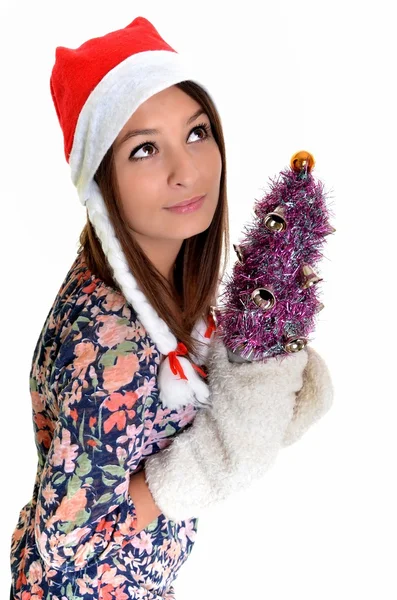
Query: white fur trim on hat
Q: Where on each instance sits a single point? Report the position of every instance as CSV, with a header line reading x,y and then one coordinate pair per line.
x,y
113,101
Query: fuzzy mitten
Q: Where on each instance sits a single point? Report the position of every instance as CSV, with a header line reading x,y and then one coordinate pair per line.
x,y
231,442
314,399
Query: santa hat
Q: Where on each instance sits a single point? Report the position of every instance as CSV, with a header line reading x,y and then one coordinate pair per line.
x,y
96,88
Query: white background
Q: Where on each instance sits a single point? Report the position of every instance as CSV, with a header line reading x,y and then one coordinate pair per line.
x,y
285,76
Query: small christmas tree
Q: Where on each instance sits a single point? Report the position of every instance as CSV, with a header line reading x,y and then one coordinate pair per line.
x,y
270,301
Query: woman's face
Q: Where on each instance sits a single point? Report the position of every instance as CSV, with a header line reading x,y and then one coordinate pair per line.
x,y
179,161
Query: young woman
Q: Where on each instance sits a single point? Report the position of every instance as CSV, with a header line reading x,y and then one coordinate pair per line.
x,y
133,440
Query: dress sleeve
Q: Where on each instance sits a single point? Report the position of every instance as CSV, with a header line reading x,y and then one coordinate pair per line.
x,y
105,377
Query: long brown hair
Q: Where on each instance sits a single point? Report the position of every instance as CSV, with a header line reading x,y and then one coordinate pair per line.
x,y
198,268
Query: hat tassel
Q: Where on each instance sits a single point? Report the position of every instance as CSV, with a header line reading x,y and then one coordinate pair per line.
x,y
180,382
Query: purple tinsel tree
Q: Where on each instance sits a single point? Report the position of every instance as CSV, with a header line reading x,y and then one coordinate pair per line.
x,y
270,300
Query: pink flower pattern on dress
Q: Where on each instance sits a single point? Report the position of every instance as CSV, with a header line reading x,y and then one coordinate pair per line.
x,y
64,452
97,416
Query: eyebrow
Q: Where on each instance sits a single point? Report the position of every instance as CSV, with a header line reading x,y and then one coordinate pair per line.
x,y
134,132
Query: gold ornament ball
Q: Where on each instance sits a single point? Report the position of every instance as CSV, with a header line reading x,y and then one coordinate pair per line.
x,y
301,160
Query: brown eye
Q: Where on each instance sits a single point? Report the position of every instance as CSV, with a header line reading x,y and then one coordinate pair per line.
x,y
197,129
141,147
204,127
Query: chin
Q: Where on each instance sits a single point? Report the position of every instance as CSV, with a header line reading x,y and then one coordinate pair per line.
x,y
196,227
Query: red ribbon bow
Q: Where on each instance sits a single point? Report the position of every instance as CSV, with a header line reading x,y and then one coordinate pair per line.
x,y
176,366
211,326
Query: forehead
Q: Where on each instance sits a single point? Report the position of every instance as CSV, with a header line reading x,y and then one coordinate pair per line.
x,y
169,103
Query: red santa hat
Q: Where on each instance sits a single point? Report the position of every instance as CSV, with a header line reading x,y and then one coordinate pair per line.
x,y
96,88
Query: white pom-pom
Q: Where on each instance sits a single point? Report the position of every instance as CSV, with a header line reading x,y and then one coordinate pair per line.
x,y
176,392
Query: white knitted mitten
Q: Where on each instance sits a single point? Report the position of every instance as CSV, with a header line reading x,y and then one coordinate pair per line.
x,y
314,399
231,442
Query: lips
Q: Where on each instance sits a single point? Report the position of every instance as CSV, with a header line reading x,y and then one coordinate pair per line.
x,y
186,202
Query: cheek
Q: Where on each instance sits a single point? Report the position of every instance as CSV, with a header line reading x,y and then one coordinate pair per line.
x,y
139,195
215,165
136,190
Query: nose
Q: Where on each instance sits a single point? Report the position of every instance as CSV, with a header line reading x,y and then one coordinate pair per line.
x,y
183,166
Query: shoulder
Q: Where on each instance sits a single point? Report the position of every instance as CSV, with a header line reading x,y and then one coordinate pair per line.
x,y
100,322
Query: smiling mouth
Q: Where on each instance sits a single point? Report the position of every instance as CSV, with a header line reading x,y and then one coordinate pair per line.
x,y
188,208
187,202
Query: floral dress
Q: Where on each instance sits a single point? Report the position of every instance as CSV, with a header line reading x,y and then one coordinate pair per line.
x,y
97,416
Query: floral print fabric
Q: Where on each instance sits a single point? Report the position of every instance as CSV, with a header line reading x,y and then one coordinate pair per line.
x,y
96,416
